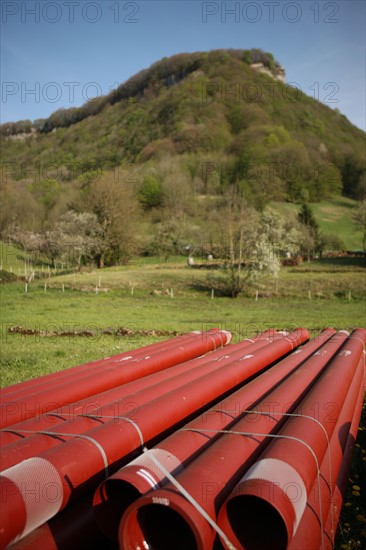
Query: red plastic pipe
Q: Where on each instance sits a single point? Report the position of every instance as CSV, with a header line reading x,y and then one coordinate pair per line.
x,y
120,399
80,464
72,529
211,476
26,388
276,487
309,534
342,480
35,384
150,387
21,388
93,403
137,478
69,392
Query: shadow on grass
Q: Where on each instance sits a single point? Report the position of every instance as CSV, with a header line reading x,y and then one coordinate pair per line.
x,y
207,289
332,265
344,261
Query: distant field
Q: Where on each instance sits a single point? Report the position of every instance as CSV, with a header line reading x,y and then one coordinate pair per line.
x,y
334,217
323,279
336,299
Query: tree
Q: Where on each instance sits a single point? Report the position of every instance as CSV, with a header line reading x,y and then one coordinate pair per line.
x,y
359,218
306,217
292,164
166,239
327,181
51,246
307,242
47,193
264,259
353,176
29,241
76,238
236,222
253,243
281,234
312,236
151,193
116,208
19,208
79,237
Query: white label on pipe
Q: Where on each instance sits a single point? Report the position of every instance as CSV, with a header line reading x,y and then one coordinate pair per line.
x,y
40,485
228,336
286,478
148,477
150,471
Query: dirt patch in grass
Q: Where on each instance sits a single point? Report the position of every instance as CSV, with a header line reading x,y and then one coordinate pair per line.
x,y
120,331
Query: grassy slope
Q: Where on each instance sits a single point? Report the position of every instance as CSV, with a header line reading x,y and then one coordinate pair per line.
x,y
334,217
12,259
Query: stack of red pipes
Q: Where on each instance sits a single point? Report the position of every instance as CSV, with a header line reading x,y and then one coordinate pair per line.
x,y
191,443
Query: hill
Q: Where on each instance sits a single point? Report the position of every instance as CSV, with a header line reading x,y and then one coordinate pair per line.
x,y
173,139
206,103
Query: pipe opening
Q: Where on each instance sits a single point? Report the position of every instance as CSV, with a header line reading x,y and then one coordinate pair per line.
x,y
256,524
115,496
163,529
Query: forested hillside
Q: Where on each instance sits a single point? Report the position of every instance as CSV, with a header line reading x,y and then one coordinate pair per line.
x,y
163,151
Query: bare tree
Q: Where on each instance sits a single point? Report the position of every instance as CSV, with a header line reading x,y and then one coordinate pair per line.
x,y
252,243
115,205
78,236
234,225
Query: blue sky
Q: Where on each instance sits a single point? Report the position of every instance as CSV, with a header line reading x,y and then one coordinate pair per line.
x,y
56,54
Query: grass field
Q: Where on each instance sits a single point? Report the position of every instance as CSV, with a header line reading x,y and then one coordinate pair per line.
x,y
314,295
334,217
26,356
137,297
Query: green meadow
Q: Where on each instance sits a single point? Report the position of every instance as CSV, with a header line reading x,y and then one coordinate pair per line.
x,y
77,317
